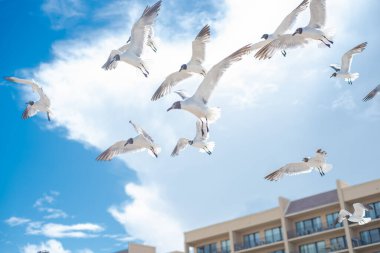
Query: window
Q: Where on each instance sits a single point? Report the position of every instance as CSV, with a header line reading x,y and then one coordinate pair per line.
x,y
209,248
309,226
370,236
375,212
226,246
317,247
331,217
338,243
251,240
273,235
279,251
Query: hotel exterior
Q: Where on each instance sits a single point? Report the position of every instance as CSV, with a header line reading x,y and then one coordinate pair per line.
x,y
301,226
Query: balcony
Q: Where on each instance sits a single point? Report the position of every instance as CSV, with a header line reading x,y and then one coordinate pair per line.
x,y
243,246
309,231
356,242
336,247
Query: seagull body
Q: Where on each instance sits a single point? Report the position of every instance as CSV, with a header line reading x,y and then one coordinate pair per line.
x,y
197,104
141,35
194,66
33,107
139,143
344,70
372,94
199,141
302,35
357,216
285,25
306,166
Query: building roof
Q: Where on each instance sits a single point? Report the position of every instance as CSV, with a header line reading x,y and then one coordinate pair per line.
x,y
313,201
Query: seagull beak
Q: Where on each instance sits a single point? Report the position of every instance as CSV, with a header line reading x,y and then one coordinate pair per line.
x,y
169,109
294,33
180,70
263,37
332,75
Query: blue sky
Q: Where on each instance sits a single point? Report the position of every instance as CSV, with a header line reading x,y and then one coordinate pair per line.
x,y
273,112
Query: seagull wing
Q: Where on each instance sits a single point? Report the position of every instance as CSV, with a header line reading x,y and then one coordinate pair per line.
x,y
181,145
140,29
111,63
141,131
347,57
335,67
359,210
317,13
199,45
198,135
182,94
289,169
285,41
170,81
211,79
291,18
372,94
260,44
29,111
31,83
342,216
119,148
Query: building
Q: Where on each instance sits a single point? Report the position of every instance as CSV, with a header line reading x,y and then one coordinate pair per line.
x,y
300,226
138,248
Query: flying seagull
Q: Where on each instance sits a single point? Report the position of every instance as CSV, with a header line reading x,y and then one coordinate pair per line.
x,y
141,142
344,71
131,52
33,107
302,35
194,66
306,166
285,25
197,104
372,94
199,141
357,216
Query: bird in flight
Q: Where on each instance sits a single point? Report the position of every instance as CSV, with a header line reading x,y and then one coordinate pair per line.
x,y
357,216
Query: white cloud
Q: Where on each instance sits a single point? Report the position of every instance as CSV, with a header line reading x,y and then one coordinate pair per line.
x,y
16,221
53,230
344,101
52,246
85,251
43,203
259,119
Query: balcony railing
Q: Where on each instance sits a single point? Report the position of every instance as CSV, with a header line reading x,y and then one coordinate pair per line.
x,y
337,247
309,231
356,242
243,246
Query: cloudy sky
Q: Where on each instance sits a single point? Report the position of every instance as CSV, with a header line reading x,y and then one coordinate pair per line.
x,y
55,196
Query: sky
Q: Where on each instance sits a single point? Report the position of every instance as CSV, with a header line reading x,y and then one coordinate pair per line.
x,y
54,194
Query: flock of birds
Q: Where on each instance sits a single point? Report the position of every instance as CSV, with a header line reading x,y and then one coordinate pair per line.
x,y
142,36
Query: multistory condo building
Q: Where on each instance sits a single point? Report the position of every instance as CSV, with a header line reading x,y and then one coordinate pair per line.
x,y
305,225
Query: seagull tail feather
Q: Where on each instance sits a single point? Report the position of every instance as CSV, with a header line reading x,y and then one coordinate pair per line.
x,y
213,114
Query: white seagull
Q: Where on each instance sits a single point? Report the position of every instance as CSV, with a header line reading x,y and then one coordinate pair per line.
x,y
302,35
131,52
194,66
306,166
199,141
197,104
372,94
357,216
33,107
139,143
285,25
344,71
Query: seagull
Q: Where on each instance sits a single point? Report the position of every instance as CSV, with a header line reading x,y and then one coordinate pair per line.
x,y
313,31
131,52
33,107
285,25
199,141
306,166
194,66
344,71
197,104
139,143
357,216
372,94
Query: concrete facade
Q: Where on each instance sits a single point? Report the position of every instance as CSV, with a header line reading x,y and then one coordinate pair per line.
x,y
138,248
301,226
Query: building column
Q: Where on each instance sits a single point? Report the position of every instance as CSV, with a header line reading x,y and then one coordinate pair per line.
x,y
339,185
232,236
284,203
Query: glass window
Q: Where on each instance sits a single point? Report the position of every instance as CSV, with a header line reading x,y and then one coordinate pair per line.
x,y
273,235
200,250
331,217
317,247
226,246
375,236
279,251
375,212
365,238
209,248
309,226
251,240
338,243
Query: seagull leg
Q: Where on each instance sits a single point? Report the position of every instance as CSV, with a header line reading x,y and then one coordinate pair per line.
x,y
327,45
332,42
145,68
203,132
207,150
208,130
143,72
48,116
283,52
